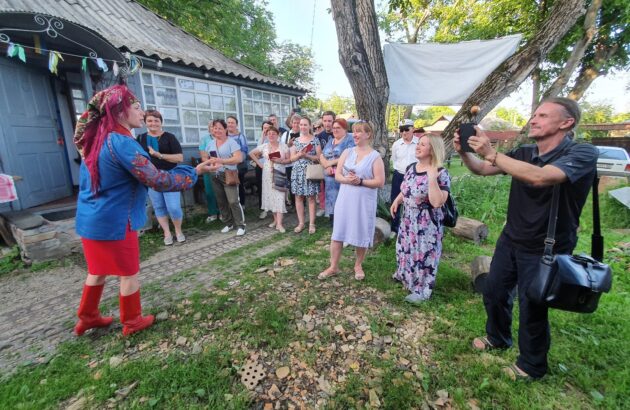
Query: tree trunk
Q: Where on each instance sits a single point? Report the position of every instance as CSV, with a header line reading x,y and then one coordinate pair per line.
x,y
361,57
535,90
590,29
472,229
589,73
509,75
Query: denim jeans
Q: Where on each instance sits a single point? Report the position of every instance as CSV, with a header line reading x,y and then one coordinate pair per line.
x,y
166,203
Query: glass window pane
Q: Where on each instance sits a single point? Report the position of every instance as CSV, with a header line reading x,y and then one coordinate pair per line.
x,y
258,108
228,90
186,84
249,121
77,93
218,116
151,107
248,106
275,97
148,95
267,108
247,93
203,101
192,135
146,78
170,115
266,96
259,120
229,103
275,109
204,117
177,131
190,117
285,100
79,106
215,88
166,96
257,95
187,99
216,102
164,80
203,87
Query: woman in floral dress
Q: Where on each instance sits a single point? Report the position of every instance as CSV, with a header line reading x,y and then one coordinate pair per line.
x,y
305,150
424,190
272,199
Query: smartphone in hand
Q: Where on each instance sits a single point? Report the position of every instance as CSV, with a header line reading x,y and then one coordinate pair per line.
x,y
466,130
275,154
213,154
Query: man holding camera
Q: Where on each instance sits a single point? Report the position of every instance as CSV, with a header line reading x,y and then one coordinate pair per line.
x,y
535,168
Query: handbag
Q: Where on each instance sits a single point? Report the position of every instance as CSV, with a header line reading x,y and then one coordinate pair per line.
x,y
314,172
231,177
449,210
280,181
571,282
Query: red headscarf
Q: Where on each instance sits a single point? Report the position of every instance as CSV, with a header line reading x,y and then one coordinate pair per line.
x,y
101,118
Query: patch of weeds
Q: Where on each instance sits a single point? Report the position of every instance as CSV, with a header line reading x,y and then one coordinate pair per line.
x,y
11,261
350,395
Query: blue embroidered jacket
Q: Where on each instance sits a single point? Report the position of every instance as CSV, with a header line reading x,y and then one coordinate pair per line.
x,y
125,170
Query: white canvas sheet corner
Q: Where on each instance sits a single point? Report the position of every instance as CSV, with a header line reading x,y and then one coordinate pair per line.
x,y
442,74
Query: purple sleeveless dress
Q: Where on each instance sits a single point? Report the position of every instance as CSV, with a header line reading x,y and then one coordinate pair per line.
x,y
355,209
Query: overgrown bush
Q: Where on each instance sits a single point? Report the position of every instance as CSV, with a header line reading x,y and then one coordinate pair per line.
x,y
481,198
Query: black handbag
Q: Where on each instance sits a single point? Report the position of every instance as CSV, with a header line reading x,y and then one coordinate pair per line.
x,y
449,209
571,282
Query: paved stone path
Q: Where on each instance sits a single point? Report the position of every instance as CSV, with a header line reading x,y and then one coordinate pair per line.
x,y
38,309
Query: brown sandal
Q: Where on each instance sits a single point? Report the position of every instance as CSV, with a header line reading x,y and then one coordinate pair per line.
x,y
311,229
327,273
299,228
516,373
483,340
359,274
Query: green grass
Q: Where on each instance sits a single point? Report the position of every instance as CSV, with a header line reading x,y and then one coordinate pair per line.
x,y
247,312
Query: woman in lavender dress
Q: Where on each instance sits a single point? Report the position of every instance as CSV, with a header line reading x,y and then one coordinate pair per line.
x,y
424,190
360,171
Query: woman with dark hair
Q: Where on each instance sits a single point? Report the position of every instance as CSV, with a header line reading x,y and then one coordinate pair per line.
x,y
166,153
110,206
329,159
225,154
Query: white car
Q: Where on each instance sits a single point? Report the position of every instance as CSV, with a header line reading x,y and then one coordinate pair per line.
x,y
613,161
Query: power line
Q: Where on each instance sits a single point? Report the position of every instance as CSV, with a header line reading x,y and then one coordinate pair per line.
x,y
313,23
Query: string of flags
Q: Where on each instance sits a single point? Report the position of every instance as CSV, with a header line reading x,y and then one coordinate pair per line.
x,y
17,50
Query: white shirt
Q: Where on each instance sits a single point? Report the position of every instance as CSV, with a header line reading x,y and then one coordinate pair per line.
x,y
403,154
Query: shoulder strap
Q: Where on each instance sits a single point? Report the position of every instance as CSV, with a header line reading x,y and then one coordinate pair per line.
x,y
413,164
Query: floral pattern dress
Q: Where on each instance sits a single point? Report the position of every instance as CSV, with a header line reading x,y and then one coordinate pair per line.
x,y
299,184
272,199
419,243
333,151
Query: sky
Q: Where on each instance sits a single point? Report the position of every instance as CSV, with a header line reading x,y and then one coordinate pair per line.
x,y
308,22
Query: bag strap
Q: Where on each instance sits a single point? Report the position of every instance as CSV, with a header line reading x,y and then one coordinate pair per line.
x,y
597,240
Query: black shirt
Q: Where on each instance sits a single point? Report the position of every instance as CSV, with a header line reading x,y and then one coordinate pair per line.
x,y
529,206
323,138
167,144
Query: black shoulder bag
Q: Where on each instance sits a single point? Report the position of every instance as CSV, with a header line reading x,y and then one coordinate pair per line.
x,y
571,282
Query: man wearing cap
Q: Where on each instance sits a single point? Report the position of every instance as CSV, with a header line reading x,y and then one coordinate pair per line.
x,y
403,154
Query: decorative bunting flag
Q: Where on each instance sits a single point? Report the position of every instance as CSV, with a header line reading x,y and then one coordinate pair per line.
x,y
16,50
84,64
53,60
101,64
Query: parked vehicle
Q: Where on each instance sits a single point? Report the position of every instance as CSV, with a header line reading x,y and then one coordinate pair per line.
x,y
613,161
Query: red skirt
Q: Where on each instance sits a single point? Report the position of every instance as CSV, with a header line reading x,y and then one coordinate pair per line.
x,y
119,258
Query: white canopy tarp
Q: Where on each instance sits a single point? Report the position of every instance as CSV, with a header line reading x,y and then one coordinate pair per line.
x,y
442,74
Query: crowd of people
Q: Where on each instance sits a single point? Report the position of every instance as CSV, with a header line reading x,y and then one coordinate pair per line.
x,y
118,170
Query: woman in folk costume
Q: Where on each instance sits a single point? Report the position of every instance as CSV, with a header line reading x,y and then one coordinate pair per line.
x,y
112,193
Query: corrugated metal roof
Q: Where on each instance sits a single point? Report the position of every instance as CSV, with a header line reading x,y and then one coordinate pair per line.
x,y
127,24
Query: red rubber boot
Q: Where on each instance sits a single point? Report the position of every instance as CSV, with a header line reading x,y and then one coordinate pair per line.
x,y
131,314
89,316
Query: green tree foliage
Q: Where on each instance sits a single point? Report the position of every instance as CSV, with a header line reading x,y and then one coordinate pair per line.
x,y
511,115
295,64
243,30
599,113
240,29
430,115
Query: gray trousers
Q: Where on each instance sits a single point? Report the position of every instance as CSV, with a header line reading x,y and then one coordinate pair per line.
x,y
228,201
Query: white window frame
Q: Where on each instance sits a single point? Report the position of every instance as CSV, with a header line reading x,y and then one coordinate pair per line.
x,y
254,132
203,129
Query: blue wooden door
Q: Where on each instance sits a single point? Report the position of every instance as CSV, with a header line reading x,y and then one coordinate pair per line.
x,y
29,135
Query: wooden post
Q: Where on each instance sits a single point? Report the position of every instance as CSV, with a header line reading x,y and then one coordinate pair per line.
x,y
471,229
479,269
